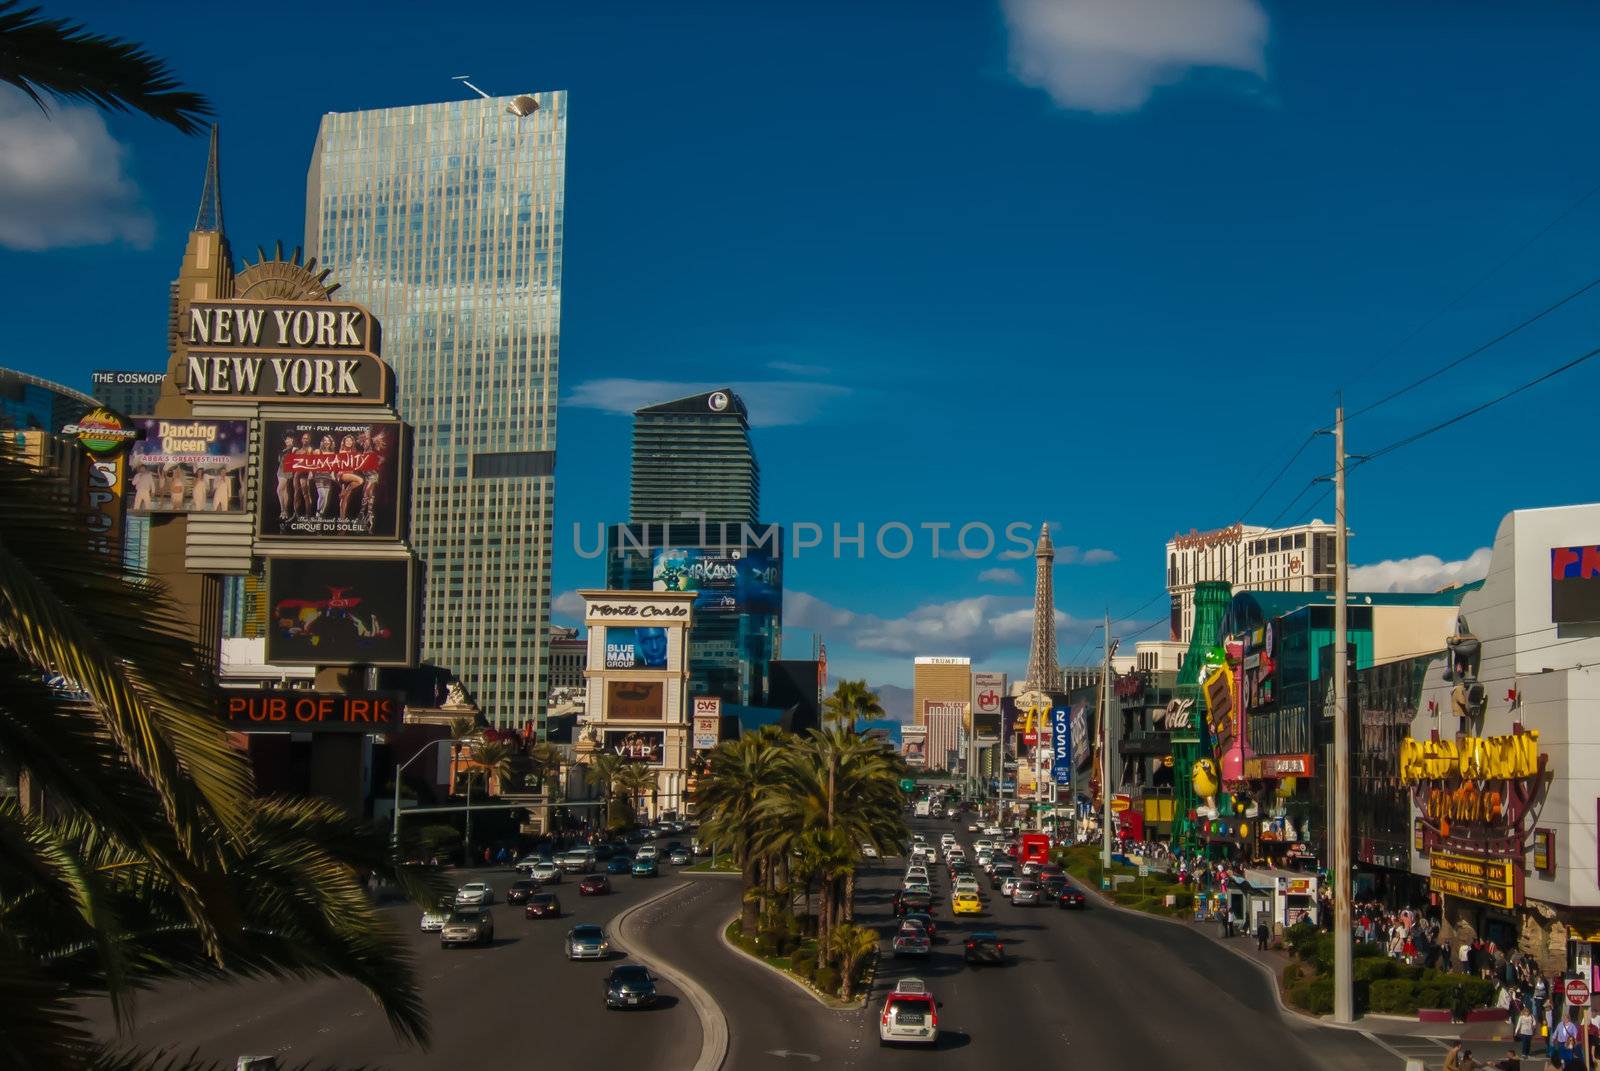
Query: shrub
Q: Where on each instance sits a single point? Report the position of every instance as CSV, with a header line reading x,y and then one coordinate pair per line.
x,y
1292,973
1301,939
1373,968
1318,996
1393,996
827,980
804,964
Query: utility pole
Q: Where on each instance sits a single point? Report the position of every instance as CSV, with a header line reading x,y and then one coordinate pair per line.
x,y
1105,750
1339,849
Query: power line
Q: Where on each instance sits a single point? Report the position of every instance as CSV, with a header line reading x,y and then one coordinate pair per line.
x,y
1496,400
1274,481
1485,277
1436,373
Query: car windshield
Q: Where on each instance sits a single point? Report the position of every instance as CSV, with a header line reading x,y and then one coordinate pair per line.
x,y
629,976
587,933
542,899
466,916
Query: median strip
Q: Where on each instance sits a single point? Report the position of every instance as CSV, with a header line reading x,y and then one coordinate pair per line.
x,y
713,1024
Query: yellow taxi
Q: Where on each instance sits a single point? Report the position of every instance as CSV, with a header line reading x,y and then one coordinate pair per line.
x,y
966,903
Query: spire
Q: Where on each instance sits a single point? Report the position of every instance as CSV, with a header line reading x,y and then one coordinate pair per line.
x,y
209,218
1044,667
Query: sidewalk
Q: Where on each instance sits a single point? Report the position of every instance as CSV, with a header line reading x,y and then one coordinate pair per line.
x,y
1274,961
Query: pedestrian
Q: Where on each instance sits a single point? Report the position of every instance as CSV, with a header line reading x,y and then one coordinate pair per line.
x,y
1527,1026
1564,1038
1510,1062
1263,934
1466,957
1458,1059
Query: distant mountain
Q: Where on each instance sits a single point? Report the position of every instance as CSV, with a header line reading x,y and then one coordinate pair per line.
x,y
896,701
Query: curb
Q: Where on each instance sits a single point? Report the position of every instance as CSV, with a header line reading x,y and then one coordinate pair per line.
x,y
713,1024
837,1005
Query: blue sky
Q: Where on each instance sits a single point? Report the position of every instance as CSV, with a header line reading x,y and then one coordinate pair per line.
x,y
1102,263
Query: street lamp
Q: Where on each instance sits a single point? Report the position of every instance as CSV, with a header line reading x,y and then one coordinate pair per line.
x,y
394,831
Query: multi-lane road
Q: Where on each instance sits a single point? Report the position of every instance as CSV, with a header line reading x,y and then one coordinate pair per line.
x,y
1094,989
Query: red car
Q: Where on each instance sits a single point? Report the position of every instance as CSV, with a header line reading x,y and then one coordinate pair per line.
x,y
594,885
542,906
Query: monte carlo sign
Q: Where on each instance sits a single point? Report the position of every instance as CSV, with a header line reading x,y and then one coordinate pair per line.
x,y
282,351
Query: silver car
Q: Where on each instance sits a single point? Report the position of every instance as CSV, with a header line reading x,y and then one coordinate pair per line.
x,y
545,873
433,919
587,942
1026,892
474,893
467,926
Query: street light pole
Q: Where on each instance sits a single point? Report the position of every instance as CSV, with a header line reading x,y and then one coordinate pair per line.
x,y
1105,750
394,828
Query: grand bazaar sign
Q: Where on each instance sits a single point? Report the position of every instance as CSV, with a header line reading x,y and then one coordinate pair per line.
x,y
1475,794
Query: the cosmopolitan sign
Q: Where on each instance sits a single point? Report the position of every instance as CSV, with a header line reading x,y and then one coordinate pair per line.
x,y
276,351
317,712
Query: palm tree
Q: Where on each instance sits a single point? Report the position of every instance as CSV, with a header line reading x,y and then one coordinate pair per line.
x,y
851,702
153,857
547,762
602,772
740,774
494,761
635,781
854,945
61,59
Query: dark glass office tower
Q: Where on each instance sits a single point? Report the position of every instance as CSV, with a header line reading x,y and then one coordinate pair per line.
x,y
694,456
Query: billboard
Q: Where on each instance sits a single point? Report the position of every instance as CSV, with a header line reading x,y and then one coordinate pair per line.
x,y
188,466
707,730
636,648
988,689
340,611
1574,585
271,710
636,699
1061,745
914,745
637,745
738,582
330,479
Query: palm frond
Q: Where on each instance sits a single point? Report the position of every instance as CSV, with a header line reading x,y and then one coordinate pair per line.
x,y
62,59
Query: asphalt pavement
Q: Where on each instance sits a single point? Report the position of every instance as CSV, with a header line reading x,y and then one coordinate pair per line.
x,y
511,1004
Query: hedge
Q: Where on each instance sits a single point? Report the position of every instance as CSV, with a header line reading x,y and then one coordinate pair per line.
x,y
1393,996
827,980
1374,968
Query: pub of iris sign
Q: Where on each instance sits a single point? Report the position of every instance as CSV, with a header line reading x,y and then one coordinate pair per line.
x,y
275,351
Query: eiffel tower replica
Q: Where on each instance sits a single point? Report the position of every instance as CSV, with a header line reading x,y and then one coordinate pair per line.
x,y
1044,666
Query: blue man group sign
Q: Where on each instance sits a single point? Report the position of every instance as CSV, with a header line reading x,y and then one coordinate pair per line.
x,y
1061,745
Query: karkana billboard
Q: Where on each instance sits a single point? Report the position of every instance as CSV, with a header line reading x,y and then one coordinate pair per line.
x,y
637,745
636,648
646,700
340,611
188,466
328,479
749,582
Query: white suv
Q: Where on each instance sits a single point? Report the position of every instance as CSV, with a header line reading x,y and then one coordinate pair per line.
x,y
909,1014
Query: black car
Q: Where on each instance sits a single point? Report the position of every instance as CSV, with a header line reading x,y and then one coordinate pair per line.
x,y
1053,887
1002,871
985,947
911,901
1070,899
926,919
630,986
520,891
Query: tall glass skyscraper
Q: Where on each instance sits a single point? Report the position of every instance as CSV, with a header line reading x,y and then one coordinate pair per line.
x,y
694,455
446,221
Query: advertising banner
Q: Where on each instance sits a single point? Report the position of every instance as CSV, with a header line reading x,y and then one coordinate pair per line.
x,y
278,711
637,745
340,611
1061,745
636,648
327,479
1078,730
105,436
707,730
988,689
1574,585
914,746
749,582
646,700
185,466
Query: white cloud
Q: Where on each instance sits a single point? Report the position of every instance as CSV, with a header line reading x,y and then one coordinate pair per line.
x,y
999,575
772,403
62,181
1109,55
1098,556
568,603
1425,572
976,627
804,371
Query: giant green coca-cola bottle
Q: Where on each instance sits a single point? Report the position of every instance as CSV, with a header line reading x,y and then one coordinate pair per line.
x,y
1211,599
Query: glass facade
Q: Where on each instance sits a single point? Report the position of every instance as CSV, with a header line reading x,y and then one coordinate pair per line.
x,y
446,221
1387,698
735,633
693,456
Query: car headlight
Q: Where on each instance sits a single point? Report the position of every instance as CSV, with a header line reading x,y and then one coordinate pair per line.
x,y
605,946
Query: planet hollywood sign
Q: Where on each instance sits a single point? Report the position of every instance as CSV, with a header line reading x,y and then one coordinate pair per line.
x,y
1476,794
282,351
